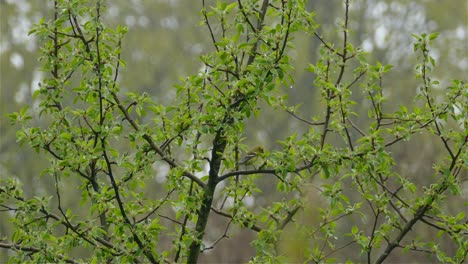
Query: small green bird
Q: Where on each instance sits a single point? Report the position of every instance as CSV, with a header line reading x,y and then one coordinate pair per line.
x,y
251,156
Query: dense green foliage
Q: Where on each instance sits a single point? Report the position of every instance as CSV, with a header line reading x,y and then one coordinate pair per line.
x,y
150,177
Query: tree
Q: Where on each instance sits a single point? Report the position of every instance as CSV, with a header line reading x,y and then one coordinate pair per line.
x,y
150,176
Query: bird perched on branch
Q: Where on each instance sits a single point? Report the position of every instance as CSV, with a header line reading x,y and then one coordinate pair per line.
x,y
251,156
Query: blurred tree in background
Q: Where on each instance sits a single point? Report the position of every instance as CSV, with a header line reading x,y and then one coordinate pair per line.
x,y
363,161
